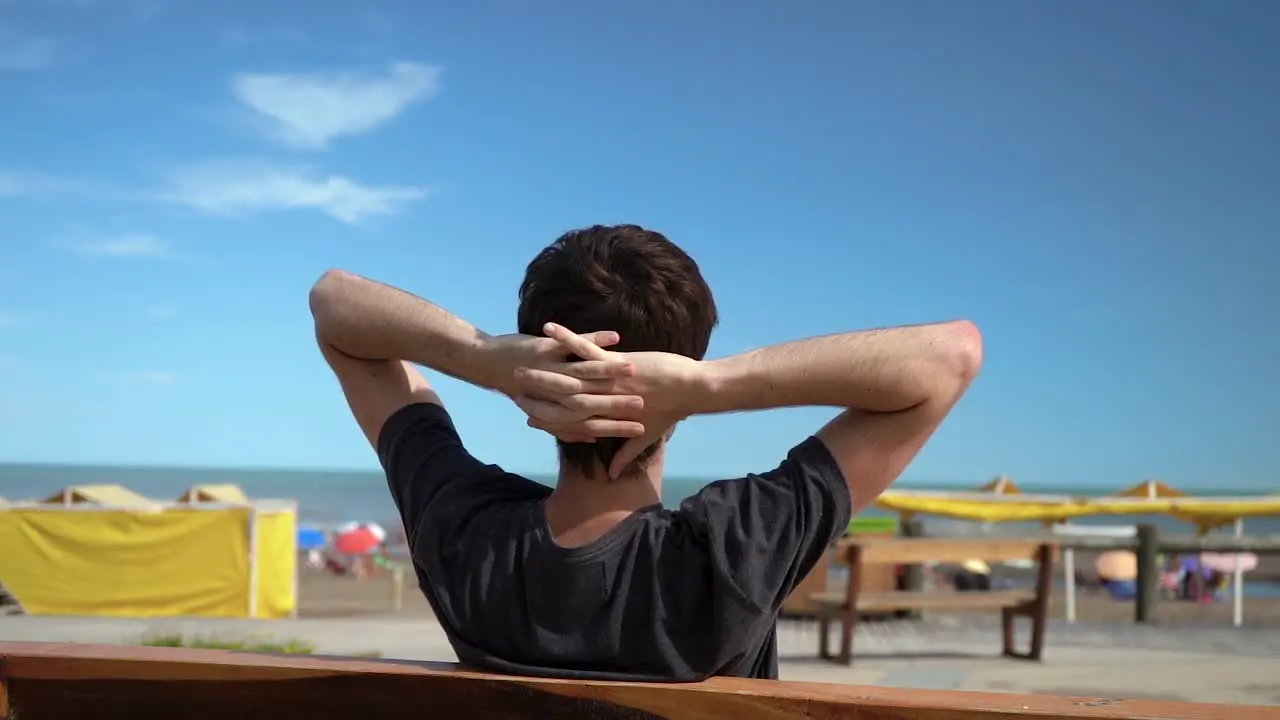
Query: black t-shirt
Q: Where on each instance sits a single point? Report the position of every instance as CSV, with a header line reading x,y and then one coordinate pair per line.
x,y
666,595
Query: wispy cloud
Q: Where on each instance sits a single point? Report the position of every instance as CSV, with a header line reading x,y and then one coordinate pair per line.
x,y
310,110
227,188
9,321
242,188
161,311
17,183
25,54
234,37
136,246
152,378
137,11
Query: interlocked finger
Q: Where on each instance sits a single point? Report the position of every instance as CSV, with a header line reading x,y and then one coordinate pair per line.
x,y
577,344
593,427
565,434
549,413
602,338
547,382
617,407
570,437
597,369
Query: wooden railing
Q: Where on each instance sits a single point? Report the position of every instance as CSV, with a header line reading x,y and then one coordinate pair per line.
x,y
86,682
1257,544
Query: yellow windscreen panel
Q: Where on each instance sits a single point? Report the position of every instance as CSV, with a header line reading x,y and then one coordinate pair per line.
x,y
180,562
277,552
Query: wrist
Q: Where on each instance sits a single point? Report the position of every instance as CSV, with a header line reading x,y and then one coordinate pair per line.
x,y
493,369
721,385
709,382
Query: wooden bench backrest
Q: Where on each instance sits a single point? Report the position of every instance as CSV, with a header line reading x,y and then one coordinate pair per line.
x,y
88,682
911,551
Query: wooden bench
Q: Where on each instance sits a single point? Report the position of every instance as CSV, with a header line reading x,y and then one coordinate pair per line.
x,y
860,555
100,682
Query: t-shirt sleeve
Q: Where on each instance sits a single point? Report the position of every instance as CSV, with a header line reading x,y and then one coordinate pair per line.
x,y
766,532
421,454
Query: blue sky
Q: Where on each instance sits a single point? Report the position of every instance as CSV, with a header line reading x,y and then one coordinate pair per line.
x,y
1096,184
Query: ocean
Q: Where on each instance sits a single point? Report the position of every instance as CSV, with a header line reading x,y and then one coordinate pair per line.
x,y
328,498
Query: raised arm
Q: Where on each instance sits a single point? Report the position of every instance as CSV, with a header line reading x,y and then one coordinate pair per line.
x,y
897,383
371,335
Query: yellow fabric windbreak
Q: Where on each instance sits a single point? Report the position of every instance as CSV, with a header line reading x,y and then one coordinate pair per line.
x,y
227,493
131,563
1204,513
277,552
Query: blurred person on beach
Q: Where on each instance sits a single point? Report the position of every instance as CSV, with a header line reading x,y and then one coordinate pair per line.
x,y
594,579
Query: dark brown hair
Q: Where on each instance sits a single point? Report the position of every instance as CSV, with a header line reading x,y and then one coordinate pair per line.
x,y
622,278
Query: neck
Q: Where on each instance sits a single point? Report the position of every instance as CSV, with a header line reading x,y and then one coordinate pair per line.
x,y
582,509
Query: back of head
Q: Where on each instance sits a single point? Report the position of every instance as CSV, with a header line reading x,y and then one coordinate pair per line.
x,y
622,278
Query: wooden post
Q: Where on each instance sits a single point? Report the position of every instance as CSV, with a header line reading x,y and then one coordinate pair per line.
x,y
5,711
397,587
913,575
1148,580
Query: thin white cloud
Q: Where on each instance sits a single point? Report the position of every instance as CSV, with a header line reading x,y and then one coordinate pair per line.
x,y
234,37
9,321
26,54
227,188
308,111
161,311
243,188
152,378
137,246
135,11
22,51
17,183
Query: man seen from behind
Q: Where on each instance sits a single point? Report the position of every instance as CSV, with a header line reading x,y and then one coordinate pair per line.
x,y
594,578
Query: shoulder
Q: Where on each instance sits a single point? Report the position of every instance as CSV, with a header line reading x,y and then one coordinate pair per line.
x,y
808,478
415,420
766,531
430,471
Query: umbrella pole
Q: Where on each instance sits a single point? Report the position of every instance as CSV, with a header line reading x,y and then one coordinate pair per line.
x,y
1069,579
1237,582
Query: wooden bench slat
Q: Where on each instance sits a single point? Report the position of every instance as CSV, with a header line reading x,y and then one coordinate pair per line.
x,y
907,600
92,682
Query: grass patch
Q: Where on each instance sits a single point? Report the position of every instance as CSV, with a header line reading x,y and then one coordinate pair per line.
x,y
286,647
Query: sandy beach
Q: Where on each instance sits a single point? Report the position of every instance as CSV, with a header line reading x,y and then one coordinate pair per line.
x,y
324,595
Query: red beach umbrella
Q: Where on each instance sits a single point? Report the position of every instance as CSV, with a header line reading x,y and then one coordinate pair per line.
x,y
357,541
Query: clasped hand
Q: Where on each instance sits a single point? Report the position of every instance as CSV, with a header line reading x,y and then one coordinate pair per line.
x,y
639,396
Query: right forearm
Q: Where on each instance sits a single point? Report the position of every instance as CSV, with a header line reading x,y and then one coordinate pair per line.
x,y
368,320
886,370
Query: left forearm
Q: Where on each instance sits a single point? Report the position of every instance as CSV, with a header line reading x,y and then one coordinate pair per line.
x,y
371,321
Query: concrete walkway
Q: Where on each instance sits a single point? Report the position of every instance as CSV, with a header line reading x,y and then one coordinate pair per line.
x,y
1189,664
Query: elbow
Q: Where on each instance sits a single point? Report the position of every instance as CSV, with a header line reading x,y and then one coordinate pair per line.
x,y
962,353
959,359
325,292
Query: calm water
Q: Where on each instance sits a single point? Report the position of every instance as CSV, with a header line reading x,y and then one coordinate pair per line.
x,y
327,498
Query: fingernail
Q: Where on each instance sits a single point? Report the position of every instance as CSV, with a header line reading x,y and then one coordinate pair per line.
x,y
549,328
